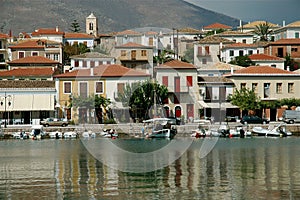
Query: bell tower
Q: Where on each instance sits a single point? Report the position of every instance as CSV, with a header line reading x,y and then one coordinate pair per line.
x,y
92,25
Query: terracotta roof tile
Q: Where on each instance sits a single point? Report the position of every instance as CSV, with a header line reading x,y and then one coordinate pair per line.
x,y
26,84
78,35
132,44
104,71
287,41
257,23
254,57
188,30
47,31
176,64
237,33
4,36
128,32
217,26
33,60
37,44
214,39
294,24
239,45
24,72
262,71
151,33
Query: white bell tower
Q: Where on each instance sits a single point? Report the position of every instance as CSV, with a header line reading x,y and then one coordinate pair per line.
x,y
92,25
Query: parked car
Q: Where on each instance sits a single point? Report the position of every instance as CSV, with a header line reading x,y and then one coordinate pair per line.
x,y
232,118
54,122
254,120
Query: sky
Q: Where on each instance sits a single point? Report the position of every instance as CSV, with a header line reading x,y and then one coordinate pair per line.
x,y
274,11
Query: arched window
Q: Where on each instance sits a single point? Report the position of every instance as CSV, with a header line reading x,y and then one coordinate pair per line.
x,y
91,26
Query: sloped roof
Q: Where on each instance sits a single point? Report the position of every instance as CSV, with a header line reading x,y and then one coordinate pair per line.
x,y
257,23
239,45
214,79
262,71
78,35
113,70
128,32
91,55
33,60
188,30
4,36
217,26
235,33
286,41
264,57
132,44
22,72
47,31
26,84
176,64
214,39
27,44
220,66
294,24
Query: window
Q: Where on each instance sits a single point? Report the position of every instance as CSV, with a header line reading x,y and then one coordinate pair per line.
x,y
206,50
278,88
266,90
83,90
76,63
55,56
123,52
165,81
244,41
294,49
254,87
151,41
144,53
204,61
290,87
231,53
84,65
199,51
121,87
297,35
48,56
243,85
91,26
99,87
34,53
133,55
67,87
241,53
92,63
273,65
21,54
250,52
189,81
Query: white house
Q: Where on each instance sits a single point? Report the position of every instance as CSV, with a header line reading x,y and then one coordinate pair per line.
x,y
290,31
267,60
237,37
53,34
79,38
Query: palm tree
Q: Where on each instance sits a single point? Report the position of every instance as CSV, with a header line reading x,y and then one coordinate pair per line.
x,y
263,30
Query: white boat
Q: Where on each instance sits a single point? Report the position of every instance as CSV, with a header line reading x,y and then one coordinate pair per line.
x,y
240,131
88,134
277,131
200,132
159,128
70,134
37,132
20,135
55,135
109,133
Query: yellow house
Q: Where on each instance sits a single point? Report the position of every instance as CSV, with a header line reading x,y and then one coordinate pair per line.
x,y
104,80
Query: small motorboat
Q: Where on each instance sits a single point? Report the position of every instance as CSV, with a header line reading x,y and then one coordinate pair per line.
x,y
240,131
109,133
37,132
160,128
88,134
20,135
56,135
70,135
200,132
277,131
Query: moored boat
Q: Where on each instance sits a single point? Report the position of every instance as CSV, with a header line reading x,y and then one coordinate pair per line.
x,y
277,131
159,128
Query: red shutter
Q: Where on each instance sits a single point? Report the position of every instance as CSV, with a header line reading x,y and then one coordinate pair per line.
x,y
189,81
177,84
165,81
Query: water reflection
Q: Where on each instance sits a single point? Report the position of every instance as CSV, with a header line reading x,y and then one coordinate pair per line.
x,y
257,168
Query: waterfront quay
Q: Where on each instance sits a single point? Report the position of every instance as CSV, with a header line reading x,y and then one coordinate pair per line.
x,y
135,129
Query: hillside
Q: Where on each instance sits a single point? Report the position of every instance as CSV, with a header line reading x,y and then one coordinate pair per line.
x,y
113,15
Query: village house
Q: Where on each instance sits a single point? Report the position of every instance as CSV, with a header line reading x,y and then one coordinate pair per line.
x,y
216,26
237,36
181,80
79,38
251,26
36,47
4,56
290,31
90,60
268,83
31,62
104,80
207,50
52,34
266,60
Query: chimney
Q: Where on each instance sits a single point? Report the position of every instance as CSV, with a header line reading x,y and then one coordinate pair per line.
x,y
56,29
231,70
288,68
283,23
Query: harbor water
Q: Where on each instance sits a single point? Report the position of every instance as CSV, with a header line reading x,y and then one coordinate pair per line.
x,y
249,168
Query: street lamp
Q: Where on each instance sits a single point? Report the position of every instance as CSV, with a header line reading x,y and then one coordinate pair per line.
x,y
6,100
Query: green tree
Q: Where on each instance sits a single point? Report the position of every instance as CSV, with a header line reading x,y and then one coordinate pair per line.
x,y
75,49
140,97
213,32
243,61
189,55
75,27
289,102
263,30
163,57
245,99
290,62
91,102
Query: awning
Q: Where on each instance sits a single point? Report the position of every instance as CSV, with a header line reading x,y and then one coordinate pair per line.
x,y
216,105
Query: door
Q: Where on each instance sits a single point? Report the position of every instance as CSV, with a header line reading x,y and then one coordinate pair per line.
x,y
190,111
280,52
